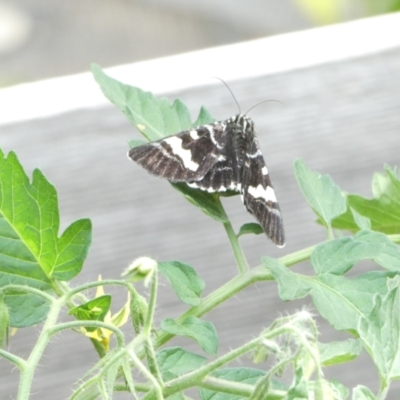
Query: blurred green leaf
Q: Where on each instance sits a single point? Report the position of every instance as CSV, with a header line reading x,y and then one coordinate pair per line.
x,y
207,202
339,255
176,361
136,142
203,118
361,222
184,280
26,309
251,227
380,332
154,117
340,300
324,12
203,332
321,193
361,392
333,353
383,210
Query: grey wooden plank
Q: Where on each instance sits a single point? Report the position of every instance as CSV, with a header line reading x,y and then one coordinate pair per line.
x,y
341,118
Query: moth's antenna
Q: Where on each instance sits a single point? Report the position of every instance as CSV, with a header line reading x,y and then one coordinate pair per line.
x,y
234,98
264,101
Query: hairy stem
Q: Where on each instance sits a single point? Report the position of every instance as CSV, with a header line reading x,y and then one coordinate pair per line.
x,y
241,260
28,371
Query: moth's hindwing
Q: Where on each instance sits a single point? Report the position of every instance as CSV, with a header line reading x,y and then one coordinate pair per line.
x,y
218,157
258,195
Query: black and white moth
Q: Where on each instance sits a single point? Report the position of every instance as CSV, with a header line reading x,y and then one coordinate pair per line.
x,y
218,157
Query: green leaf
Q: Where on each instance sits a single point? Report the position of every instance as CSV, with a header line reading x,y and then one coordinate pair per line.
x,y
361,392
339,255
93,310
152,116
136,142
380,332
266,388
203,118
297,286
383,210
111,376
324,389
362,222
176,361
342,392
26,309
333,353
178,396
340,300
207,202
203,332
31,252
249,376
155,118
184,280
386,184
251,227
321,193
299,387
72,249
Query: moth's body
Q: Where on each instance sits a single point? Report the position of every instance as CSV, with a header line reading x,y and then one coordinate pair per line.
x,y
217,157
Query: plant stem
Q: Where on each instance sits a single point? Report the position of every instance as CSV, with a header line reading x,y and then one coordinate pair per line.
x,y
18,361
91,324
241,260
192,378
132,387
220,295
234,286
148,322
383,390
27,373
142,368
224,386
90,285
230,289
297,256
147,326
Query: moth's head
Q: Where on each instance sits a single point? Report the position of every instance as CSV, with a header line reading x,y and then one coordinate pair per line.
x,y
245,124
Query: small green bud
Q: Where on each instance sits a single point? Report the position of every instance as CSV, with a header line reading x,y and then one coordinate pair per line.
x,y
138,308
141,268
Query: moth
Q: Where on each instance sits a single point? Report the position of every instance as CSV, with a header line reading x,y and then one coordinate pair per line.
x,y
218,157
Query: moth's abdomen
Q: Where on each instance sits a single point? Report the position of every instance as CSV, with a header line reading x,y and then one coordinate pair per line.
x,y
240,142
